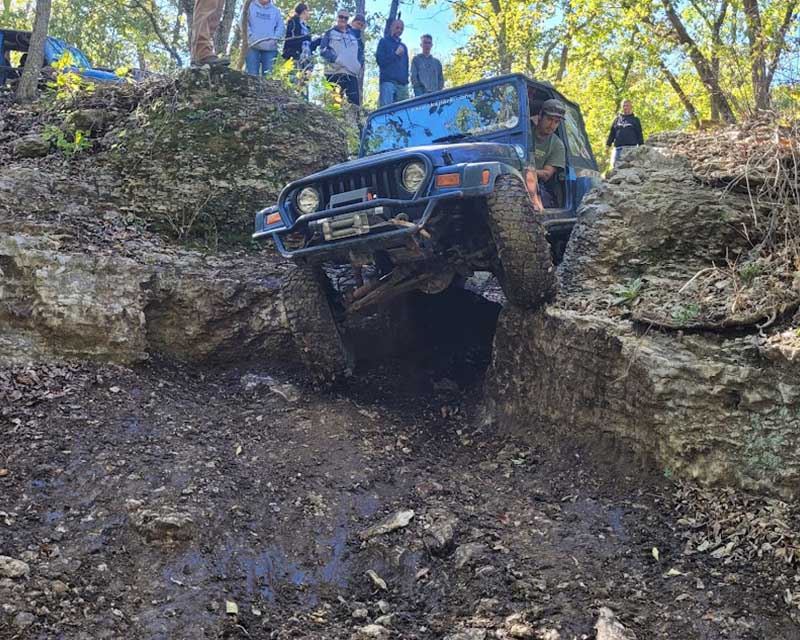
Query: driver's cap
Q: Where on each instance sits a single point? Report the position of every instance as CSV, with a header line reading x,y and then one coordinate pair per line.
x,y
553,107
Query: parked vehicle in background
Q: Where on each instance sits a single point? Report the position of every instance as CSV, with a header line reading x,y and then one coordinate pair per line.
x,y
11,65
439,191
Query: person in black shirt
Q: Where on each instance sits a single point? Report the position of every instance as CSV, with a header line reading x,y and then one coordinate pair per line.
x,y
626,132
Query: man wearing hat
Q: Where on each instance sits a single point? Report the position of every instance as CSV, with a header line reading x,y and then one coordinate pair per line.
x,y
549,152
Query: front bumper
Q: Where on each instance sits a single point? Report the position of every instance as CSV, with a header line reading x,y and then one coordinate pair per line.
x,y
471,186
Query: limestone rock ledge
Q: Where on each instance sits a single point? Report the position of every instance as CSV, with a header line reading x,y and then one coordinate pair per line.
x,y
658,339
114,308
711,409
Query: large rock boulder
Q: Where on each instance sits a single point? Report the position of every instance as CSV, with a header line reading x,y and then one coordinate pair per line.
x,y
93,247
655,341
109,307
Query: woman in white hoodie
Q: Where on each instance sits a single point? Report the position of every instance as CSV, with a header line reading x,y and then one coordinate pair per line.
x,y
264,30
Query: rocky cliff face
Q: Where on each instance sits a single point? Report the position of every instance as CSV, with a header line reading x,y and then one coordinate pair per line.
x,y
92,262
671,335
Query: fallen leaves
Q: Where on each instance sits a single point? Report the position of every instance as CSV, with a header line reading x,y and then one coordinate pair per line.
x,y
733,525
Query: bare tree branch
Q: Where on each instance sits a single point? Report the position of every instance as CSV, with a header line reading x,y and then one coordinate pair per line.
x,y
150,12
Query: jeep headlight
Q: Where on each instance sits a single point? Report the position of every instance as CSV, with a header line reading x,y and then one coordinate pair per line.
x,y
307,200
413,176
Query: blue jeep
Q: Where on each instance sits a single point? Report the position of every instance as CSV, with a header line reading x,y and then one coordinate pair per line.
x,y
54,49
439,191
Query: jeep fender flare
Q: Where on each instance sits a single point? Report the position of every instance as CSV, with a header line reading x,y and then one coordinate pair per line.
x,y
474,182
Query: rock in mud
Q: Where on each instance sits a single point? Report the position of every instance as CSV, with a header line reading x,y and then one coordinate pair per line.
x,y
13,568
31,146
24,619
254,383
609,628
438,538
395,521
467,634
163,527
372,632
470,553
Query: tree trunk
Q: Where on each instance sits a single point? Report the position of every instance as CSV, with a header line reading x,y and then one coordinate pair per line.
x,y
29,83
716,46
187,6
562,63
393,15
223,33
758,63
361,7
140,57
150,10
701,64
687,103
244,35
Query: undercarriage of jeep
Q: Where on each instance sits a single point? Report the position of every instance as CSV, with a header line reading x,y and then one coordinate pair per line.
x,y
454,243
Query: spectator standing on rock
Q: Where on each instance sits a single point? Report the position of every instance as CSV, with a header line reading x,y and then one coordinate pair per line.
x,y
264,30
426,71
392,57
299,45
297,33
357,26
626,132
205,20
343,56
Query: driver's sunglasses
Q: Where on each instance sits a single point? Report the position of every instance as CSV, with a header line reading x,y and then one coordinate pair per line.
x,y
343,17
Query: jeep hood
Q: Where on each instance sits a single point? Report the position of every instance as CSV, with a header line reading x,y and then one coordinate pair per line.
x,y
439,155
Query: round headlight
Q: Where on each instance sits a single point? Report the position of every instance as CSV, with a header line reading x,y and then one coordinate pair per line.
x,y
308,200
413,176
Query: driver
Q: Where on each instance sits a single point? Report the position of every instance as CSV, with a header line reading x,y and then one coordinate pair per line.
x,y
549,151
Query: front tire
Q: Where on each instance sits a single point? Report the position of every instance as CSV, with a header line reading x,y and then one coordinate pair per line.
x,y
525,265
307,294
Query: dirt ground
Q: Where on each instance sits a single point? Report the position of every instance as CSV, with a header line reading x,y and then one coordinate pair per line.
x,y
167,502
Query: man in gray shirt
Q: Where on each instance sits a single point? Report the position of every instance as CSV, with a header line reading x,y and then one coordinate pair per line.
x,y
426,71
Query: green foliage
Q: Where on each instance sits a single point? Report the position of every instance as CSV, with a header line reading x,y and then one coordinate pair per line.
x,y
68,84
80,140
628,293
598,53
685,315
749,272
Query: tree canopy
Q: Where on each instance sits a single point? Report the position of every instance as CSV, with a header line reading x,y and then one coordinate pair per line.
x,y
679,61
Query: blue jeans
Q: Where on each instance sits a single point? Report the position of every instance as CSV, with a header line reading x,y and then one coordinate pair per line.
x,y
256,58
619,153
391,92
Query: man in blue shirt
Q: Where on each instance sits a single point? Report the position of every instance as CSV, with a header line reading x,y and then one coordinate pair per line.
x,y
392,57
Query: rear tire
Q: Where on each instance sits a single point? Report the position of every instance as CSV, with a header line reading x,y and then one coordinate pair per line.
x,y
525,265
307,294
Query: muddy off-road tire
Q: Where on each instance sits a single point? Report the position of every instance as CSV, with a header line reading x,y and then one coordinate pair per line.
x,y
307,295
525,266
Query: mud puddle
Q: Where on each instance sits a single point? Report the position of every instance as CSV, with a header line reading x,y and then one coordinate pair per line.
x,y
165,502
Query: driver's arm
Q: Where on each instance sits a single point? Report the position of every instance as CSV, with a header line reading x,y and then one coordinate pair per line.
x,y
546,172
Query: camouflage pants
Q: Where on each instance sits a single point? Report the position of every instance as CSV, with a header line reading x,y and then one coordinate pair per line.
x,y
205,20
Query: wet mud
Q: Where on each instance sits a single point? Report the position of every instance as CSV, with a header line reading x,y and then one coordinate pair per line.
x,y
165,502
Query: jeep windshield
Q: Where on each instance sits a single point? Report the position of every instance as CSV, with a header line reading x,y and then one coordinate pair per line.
x,y
455,117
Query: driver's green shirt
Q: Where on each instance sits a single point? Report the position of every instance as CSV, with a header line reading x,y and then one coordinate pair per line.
x,y
549,151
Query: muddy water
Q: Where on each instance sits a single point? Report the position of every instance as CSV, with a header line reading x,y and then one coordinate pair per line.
x,y
272,497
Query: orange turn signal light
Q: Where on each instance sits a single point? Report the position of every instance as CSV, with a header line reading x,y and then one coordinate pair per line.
x,y
485,177
448,180
272,218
